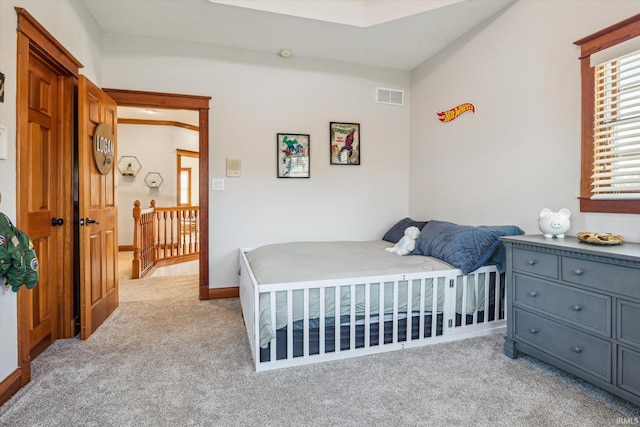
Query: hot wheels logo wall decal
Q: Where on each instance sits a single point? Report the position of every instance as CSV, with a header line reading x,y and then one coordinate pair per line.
x,y
455,112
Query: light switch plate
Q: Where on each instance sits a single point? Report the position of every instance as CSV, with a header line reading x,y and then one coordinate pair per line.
x,y
217,184
4,144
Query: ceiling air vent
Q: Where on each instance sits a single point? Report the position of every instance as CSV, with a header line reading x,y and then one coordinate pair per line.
x,y
389,96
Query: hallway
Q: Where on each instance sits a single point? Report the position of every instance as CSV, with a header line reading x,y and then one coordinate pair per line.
x,y
182,269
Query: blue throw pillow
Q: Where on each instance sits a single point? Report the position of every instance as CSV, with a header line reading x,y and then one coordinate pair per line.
x,y
463,246
499,256
395,233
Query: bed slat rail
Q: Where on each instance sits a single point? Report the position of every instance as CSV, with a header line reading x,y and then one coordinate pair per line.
x,y
329,320
481,289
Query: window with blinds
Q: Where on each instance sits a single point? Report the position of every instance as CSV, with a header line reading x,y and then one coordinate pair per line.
x,y
616,129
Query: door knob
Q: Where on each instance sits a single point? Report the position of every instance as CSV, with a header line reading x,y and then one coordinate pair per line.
x,y
56,221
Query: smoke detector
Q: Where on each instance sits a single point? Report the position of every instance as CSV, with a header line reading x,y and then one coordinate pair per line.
x,y
285,53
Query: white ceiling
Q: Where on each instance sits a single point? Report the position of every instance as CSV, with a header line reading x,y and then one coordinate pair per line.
x,y
397,34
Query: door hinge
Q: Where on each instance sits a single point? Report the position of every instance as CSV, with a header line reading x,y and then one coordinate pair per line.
x,y
451,283
450,323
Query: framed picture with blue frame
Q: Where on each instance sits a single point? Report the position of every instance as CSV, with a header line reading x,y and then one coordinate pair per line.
x,y
294,155
344,143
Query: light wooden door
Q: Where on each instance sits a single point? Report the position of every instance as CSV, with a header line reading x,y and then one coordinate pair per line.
x,y
98,231
40,202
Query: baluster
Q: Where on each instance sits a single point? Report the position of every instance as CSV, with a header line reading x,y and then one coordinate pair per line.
x,y
137,243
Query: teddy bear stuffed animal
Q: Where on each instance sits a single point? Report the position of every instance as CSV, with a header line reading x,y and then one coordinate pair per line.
x,y
407,244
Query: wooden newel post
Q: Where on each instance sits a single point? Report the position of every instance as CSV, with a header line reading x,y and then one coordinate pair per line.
x,y
136,266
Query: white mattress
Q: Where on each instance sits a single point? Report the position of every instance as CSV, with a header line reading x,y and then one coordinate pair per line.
x,y
304,261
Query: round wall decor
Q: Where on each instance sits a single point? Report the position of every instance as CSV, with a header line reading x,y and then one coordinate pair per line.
x,y
103,148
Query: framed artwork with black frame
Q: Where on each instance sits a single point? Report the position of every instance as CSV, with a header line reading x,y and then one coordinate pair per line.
x,y
293,155
344,143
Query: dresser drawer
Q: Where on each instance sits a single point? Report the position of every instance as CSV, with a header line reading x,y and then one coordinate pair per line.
x,y
608,277
629,370
586,309
629,322
534,262
589,353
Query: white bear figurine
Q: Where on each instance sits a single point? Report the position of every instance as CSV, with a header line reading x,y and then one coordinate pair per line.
x,y
408,242
554,223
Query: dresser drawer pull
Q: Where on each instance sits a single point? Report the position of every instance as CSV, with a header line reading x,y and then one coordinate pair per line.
x,y
532,262
533,294
578,272
533,330
577,307
577,349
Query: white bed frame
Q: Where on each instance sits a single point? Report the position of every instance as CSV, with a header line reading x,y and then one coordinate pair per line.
x,y
250,292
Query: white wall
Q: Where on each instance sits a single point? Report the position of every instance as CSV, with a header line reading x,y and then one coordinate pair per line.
x,y
257,95
72,26
155,148
520,151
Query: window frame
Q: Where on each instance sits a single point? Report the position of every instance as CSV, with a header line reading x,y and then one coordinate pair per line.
x,y
603,39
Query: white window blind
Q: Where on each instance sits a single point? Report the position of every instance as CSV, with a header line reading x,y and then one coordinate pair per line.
x,y
616,129
615,51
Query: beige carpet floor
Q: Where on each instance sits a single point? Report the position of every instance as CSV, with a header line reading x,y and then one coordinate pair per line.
x,y
125,259
164,358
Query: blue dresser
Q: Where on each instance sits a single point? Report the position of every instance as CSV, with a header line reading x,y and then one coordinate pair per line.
x,y
576,306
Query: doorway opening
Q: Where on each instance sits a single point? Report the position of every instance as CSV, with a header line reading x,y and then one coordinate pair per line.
x,y
156,197
129,98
